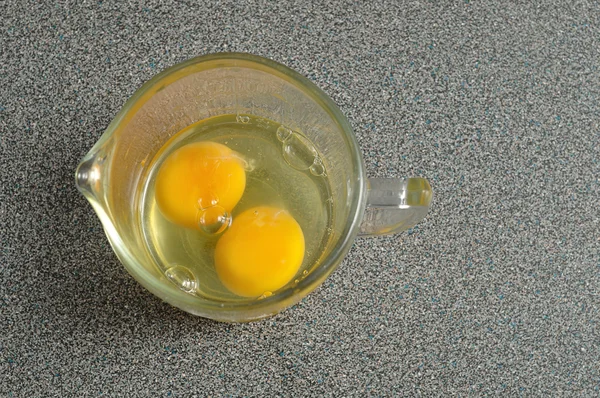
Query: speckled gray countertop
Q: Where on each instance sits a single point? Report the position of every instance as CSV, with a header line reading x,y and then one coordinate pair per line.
x,y
495,293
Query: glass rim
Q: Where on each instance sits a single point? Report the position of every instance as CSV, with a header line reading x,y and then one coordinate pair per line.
x,y
289,295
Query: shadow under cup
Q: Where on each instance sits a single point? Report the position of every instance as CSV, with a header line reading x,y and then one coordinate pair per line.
x,y
200,88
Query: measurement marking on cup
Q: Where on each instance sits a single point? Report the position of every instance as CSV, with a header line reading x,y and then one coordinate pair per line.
x,y
299,152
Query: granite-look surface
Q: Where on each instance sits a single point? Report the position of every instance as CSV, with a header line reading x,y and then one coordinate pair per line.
x,y
495,293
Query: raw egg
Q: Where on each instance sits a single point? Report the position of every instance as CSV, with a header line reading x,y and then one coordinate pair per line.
x,y
199,184
261,251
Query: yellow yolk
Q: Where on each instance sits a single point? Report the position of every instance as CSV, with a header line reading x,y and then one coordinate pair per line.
x,y
261,251
196,177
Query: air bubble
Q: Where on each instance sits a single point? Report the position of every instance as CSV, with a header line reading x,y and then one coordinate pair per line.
x,y
183,278
299,152
213,220
317,168
283,133
242,119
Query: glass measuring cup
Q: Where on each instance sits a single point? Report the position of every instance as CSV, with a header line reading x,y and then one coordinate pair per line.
x,y
232,83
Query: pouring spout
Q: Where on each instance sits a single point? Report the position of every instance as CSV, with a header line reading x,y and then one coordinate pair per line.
x,y
89,174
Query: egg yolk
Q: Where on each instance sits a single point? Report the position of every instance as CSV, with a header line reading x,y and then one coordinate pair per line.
x,y
261,251
196,177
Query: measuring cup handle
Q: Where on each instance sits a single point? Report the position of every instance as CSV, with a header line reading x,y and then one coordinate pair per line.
x,y
395,205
